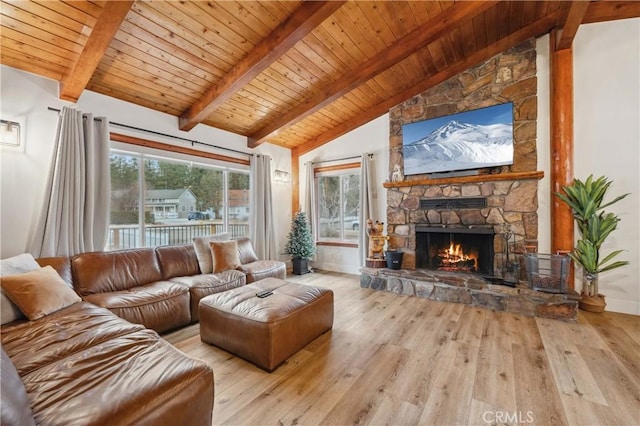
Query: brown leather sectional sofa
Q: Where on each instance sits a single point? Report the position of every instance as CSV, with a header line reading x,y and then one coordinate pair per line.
x,y
159,288
96,362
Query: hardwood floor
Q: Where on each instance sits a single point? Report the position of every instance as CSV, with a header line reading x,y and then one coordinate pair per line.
x,y
401,360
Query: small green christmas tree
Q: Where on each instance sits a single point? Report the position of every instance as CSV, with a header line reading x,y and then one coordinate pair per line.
x,y
300,241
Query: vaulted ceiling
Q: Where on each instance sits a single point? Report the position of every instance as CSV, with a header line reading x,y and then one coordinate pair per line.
x,y
295,74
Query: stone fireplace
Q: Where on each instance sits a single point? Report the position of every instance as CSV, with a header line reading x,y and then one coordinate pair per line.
x,y
507,205
453,230
498,199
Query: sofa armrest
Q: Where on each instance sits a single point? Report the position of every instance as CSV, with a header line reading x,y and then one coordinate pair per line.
x,y
15,402
261,269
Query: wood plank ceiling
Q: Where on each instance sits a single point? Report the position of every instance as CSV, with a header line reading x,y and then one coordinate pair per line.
x,y
296,74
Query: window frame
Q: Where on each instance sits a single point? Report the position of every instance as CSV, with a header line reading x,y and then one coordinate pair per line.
x,y
335,170
143,153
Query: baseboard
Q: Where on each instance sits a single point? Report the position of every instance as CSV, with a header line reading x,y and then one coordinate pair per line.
x,y
335,267
622,306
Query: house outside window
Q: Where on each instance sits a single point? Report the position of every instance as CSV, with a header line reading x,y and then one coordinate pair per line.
x,y
180,200
338,204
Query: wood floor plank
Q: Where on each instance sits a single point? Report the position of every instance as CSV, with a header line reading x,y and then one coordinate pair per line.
x,y
450,400
403,360
571,373
495,377
630,323
536,392
363,398
470,326
619,341
621,391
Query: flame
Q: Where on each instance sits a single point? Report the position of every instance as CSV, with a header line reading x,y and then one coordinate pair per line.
x,y
453,256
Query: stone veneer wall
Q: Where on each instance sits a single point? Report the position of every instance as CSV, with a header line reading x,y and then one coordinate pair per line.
x,y
510,76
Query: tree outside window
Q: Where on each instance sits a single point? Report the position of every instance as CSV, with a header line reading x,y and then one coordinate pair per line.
x,y
179,200
338,206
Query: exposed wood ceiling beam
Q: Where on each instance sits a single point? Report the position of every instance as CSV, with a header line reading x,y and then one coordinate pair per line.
x,y
534,29
402,49
601,11
569,28
304,19
109,21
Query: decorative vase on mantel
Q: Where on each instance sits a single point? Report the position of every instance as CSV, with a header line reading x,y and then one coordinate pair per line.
x,y
591,300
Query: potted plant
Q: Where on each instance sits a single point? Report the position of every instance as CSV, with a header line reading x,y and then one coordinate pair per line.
x,y
595,225
300,244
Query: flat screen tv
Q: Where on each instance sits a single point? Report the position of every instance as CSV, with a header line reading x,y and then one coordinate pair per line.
x,y
467,140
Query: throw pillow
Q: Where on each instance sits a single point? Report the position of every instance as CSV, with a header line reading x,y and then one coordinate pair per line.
x,y
39,293
225,255
11,266
203,251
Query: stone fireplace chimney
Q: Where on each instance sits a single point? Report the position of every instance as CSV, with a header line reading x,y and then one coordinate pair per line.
x,y
508,193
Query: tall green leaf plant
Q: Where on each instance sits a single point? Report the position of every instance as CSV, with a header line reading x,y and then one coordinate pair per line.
x,y
586,201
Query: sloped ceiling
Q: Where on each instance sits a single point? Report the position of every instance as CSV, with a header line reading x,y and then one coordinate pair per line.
x,y
295,74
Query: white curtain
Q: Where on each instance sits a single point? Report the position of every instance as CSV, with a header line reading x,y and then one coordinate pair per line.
x,y
367,204
262,233
75,214
310,202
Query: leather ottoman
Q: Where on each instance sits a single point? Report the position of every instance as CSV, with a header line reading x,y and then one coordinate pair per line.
x,y
266,331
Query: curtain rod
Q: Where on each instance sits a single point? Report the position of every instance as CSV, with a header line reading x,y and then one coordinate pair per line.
x,y
192,141
340,159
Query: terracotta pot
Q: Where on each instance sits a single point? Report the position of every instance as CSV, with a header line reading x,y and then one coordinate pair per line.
x,y
592,303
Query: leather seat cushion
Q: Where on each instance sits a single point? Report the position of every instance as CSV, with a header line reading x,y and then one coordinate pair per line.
x,y
84,365
261,269
266,331
160,305
206,284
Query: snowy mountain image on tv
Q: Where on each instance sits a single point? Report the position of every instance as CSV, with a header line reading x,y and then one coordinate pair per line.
x,y
467,140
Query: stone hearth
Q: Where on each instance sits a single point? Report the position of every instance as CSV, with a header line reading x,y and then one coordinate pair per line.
x,y
470,289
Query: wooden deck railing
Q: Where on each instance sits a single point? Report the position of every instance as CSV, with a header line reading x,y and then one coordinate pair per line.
x,y
128,236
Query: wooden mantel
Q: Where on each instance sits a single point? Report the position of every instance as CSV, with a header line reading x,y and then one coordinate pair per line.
x,y
467,179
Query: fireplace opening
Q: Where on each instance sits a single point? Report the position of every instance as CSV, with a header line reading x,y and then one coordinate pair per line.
x,y
467,250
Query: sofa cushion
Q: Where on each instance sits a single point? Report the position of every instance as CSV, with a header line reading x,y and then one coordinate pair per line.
x,y
203,251
203,285
83,365
100,272
178,260
246,252
261,269
15,403
225,255
39,293
11,266
160,306
50,339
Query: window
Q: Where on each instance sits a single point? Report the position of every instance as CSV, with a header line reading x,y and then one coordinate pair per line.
x,y
338,198
172,202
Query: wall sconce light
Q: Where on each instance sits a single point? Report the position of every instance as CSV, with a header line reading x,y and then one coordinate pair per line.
x,y
10,133
280,176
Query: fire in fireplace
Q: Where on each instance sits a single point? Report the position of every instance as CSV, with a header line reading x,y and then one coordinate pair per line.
x,y
456,249
454,258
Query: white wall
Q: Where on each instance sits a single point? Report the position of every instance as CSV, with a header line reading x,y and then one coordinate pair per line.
x,y
607,139
373,138
26,97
